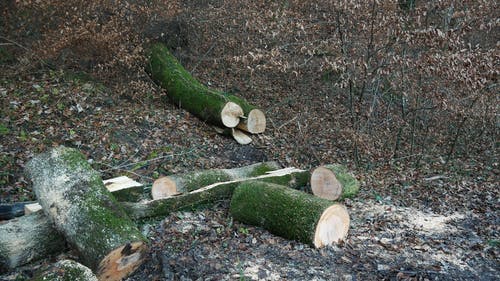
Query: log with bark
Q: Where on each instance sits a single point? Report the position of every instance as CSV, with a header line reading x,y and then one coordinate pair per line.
x,y
198,194
28,238
66,270
77,203
215,107
183,183
290,213
333,182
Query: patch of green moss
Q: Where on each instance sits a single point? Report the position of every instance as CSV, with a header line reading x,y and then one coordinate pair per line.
x,y
261,170
198,180
4,130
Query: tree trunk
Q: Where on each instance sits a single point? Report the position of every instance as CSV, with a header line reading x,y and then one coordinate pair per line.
x,y
66,270
218,108
124,188
183,183
75,200
214,192
290,213
333,182
28,238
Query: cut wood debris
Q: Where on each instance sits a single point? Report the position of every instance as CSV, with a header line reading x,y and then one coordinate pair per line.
x,y
218,108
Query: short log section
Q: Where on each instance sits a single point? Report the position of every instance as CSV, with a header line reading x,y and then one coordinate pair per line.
x,y
290,213
333,182
76,201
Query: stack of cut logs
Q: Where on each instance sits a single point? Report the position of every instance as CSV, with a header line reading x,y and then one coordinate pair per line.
x,y
97,218
230,114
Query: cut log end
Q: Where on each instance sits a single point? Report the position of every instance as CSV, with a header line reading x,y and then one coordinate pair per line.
x,y
163,187
230,114
255,122
241,137
324,184
332,226
122,261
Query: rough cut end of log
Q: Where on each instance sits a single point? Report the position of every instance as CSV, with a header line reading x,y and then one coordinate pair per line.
x,y
324,184
230,114
332,227
254,123
163,187
122,261
241,137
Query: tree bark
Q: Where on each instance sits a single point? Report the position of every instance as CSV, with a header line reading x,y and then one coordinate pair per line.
x,y
75,200
65,270
290,213
333,182
28,238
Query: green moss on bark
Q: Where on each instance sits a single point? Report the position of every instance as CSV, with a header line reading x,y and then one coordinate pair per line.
x,y
281,210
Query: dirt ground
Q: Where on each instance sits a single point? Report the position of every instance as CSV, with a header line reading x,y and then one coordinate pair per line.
x,y
72,73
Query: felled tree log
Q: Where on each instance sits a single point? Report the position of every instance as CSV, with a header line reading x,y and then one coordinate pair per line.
x,y
238,135
333,182
218,191
75,200
218,108
183,183
28,238
290,213
188,93
66,270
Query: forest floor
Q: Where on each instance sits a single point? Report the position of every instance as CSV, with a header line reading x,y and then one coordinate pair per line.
x,y
72,73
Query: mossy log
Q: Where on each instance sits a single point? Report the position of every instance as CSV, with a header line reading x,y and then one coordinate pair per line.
x,y
74,199
183,183
238,135
28,238
290,213
333,182
218,108
208,194
184,90
66,270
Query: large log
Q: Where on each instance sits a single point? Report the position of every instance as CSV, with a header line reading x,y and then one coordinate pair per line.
x,y
290,213
75,200
66,270
333,182
215,107
183,183
28,238
215,192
